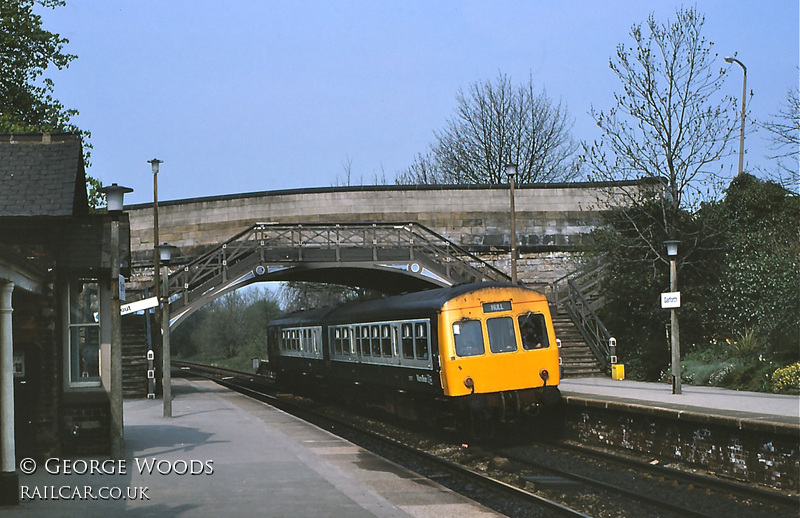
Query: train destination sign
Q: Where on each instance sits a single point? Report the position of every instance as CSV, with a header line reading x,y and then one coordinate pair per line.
x,y
496,307
671,300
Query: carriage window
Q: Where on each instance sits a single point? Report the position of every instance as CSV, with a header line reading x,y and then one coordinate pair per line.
x,y
502,338
534,331
386,341
376,342
408,342
362,334
468,336
337,341
421,340
345,341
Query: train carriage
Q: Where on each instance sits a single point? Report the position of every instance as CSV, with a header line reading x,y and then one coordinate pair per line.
x,y
486,348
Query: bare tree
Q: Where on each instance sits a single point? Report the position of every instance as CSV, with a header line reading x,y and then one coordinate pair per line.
x,y
300,296
496,123
784,135
670,122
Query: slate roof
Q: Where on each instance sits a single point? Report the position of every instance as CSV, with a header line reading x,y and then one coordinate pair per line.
x,y
42,175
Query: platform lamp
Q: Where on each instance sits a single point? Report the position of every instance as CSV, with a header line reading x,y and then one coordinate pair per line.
x,y
511,172
165,252
675,343
114,197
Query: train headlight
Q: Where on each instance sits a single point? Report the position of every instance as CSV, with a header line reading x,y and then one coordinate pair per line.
x,y
544,375
469,384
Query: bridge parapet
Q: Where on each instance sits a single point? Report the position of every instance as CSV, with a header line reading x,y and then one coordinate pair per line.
x,y
388,257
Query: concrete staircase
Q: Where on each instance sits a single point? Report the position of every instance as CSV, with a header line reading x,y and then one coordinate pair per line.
x,y
578,360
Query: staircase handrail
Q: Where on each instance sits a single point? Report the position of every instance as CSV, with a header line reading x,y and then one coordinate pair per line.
x,y
588,323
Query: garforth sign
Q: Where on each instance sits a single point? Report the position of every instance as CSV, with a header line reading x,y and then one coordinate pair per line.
x,y
671,300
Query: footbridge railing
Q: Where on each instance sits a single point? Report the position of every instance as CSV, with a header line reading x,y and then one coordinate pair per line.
x,y
578,294
268,250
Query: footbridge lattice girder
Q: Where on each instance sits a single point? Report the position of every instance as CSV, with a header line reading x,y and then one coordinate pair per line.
x,y
387,257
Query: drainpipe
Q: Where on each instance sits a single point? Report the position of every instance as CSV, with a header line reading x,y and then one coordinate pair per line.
x,y
9,481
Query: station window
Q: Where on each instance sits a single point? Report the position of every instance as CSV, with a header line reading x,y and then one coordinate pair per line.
x,y
502,337
468,336
84,332
407,341
534,331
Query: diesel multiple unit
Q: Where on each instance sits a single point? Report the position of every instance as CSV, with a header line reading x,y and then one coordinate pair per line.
x,y
487,349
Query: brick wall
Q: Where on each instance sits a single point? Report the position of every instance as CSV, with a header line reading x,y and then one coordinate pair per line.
x,y
751,451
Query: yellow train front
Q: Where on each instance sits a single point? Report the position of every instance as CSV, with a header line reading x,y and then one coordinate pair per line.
x,y
498,351
487,350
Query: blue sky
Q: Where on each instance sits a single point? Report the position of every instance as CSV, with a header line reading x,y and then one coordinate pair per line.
x,y
250,95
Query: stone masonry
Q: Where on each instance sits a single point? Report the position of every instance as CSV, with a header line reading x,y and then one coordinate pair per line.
x,y
551,219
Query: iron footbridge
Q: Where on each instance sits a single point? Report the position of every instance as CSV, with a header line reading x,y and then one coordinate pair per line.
x,y
387,257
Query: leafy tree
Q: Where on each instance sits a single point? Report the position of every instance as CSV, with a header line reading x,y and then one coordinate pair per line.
x,y
633,278
26,101
669,123
759,271
497,123
230,325
27,104
740,287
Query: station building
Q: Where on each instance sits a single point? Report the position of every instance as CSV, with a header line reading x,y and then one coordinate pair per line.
x,y
55,306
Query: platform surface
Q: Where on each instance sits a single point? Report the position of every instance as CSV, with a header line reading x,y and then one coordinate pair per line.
x,y
252,459
735,404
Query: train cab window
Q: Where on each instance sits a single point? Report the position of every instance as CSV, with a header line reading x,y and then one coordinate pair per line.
x,y
502,338
534,331
421,340
407,342
468,335
386,341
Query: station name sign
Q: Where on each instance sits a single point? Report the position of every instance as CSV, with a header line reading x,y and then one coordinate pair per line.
x,y
139,305
671,300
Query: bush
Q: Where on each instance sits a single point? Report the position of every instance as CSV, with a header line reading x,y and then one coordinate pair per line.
x,y
786,380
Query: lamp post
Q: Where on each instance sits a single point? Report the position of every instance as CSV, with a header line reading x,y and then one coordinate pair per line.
x,y
114,196
165,252
154,163
675,343
511,172
744,94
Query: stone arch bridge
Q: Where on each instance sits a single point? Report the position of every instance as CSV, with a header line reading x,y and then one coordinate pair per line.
x,y
552,220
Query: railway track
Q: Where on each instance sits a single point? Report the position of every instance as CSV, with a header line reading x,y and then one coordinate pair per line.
x,y
529,480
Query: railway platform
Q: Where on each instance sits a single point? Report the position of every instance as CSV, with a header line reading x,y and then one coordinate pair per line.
x,y
713,404
223,454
